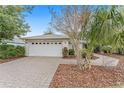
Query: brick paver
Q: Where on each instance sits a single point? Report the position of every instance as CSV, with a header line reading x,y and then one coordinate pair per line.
x,y
30,72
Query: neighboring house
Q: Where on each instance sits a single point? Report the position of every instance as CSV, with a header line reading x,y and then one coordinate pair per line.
x,y
46,45
16,41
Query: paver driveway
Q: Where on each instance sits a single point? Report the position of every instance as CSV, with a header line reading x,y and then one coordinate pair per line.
x,y
32,72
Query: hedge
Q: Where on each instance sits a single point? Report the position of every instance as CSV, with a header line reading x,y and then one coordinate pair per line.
x,y
10,51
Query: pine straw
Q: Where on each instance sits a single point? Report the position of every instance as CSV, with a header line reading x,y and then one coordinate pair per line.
x,y
69,76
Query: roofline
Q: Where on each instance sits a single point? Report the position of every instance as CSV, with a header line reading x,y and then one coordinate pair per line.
x,y
42,38
45,38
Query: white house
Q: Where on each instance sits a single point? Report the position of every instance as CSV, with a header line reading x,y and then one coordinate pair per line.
x,y
46,45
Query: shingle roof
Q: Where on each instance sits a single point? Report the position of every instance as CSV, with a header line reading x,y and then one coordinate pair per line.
x,y
48,36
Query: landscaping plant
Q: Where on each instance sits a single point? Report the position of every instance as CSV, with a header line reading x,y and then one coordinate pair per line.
x,y
12,21
70,21
11,51
71,52
98,25
106,29
65,52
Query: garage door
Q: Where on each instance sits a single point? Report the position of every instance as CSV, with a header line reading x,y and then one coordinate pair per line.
x,y
45,49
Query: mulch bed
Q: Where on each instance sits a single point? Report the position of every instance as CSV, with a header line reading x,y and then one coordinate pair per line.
x,y
8,60
97,77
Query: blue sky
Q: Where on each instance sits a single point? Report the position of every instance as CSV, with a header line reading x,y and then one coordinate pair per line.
x,y
39,19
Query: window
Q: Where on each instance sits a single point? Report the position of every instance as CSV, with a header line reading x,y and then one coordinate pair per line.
x,y
51,42
47,43
32,43
36,43
60,43
55,42
39,43
43,43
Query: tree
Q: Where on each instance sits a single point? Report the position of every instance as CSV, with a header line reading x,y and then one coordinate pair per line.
x,y
12,22
107,28
72,20
103,25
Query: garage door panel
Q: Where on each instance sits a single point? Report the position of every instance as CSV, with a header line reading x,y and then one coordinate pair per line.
x,y
46,50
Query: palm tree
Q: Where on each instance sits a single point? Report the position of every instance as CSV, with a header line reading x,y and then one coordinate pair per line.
x,y
107,29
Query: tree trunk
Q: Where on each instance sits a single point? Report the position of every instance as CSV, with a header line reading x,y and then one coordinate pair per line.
x,y
83,63
79,58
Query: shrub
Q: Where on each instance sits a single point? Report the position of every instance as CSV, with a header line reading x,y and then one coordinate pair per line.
x,y
106,49
120,51
2,55
5,47
20,50
87,53
97,49
65,52
71,52
10,51
84,54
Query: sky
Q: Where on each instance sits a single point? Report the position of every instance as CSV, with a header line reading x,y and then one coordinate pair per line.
x,y
39,19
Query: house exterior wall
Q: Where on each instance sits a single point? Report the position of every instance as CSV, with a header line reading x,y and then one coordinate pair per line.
x,y
37,47
27,49
65,43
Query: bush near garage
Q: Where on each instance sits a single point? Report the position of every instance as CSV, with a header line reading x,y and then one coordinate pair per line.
x,y
68,53
71,52
11,51
65,52
20,50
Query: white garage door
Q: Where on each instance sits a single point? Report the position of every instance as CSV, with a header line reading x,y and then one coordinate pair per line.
x,y
45,49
